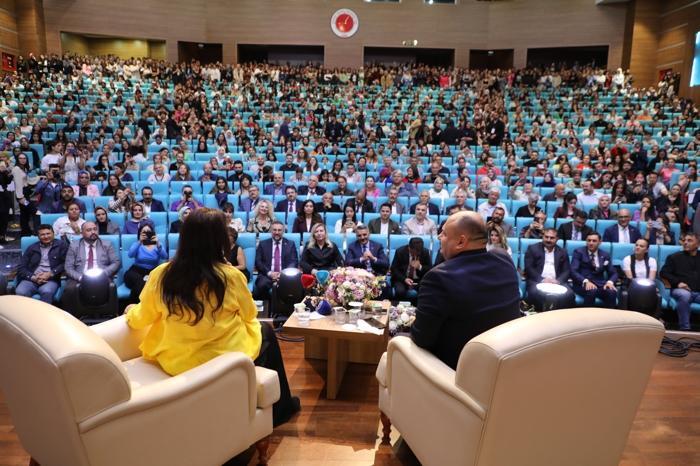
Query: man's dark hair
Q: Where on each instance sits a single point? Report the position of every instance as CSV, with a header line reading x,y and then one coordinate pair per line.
x,y
553,230
145,188
44,226
581,214
386,204
593,233
416,244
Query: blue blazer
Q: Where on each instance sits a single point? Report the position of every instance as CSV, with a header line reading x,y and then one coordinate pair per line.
x,y
263,255
246,204
581,268
305,190
354,254
284,203
612,234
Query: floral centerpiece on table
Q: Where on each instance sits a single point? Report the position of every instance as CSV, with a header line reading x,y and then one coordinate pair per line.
x,y
347,284
400,319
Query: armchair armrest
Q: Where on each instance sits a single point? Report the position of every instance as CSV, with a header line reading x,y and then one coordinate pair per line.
x,y
432,369
123,339
268,385
228,368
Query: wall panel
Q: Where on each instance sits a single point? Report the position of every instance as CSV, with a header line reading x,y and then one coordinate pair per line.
x,y
467,25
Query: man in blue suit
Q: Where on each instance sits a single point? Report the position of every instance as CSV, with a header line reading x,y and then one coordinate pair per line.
x,y
593,273
471,292
249,203
366,254
623,232
271,257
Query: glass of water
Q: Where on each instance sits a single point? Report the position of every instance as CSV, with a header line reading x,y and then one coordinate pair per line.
x,y
303,314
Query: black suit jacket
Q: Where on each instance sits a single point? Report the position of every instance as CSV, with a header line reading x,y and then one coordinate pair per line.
x,y
354,254
367,206
463,297
263,255
375,227
432,209
156,205
534,264
564,231
399,266
284,203
612,234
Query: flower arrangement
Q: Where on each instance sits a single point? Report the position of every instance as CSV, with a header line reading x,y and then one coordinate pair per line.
x,y
400,319
348,284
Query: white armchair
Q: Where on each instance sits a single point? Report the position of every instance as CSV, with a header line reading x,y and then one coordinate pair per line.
x,y
83,396
556,388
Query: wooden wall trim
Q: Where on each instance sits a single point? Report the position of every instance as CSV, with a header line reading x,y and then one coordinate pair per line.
x,y
680,26
672,46
669,64
680,8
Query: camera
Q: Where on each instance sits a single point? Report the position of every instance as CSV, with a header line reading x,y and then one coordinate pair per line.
x,y
150,235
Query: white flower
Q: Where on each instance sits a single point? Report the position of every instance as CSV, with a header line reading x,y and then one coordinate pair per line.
x,y
392,326
405,318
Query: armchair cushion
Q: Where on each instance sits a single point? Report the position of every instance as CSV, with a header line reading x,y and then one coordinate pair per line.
x,y
268,386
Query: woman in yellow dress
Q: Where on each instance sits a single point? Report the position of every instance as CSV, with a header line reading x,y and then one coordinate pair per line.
x,y
198,307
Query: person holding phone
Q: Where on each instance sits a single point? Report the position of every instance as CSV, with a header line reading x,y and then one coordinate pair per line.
x,y
186,200
147,253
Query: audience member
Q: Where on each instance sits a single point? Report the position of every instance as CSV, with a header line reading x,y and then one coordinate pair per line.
x,y
497,240
147,253
66,226
420,223
262,218
87,253
182,215
531,208
411,263
307,218
364,253
327,205
236,255
486,209
41,266
623,232
593,273
320,253
681,271
545,262
644,266
384,225
291,204
423,199
602,211
348,222
104,225
271,257
149,203
576,230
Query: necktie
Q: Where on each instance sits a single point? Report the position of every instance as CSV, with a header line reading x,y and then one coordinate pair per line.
x,y
575,234
368,263
291,207
91,257
277,258
593,262
411,269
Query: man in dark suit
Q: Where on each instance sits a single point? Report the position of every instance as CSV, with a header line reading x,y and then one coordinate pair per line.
x,y
471,292
271,257
67,197
593,273
576,230
623,232
327,204
366,254
312,188
424,198
87,253
384,224
410,264
557,195
41,266
546,262
291,204
360,203
149,203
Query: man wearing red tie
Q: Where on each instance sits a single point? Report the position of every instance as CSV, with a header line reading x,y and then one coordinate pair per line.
x,y
87,253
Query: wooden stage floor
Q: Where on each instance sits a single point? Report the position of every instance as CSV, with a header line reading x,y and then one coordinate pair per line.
x,y
345,432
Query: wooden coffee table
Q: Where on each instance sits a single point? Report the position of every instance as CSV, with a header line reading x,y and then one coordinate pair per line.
x,y
324,339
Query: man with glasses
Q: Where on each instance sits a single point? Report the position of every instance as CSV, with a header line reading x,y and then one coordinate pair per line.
x,y
546,262
187,200
623,232
366,254
681,270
